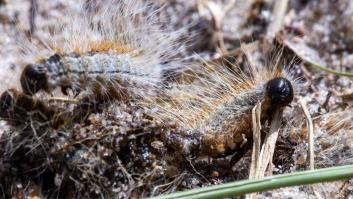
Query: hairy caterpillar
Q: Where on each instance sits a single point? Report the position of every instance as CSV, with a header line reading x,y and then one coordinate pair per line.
x,y
116,50
214,112
119,46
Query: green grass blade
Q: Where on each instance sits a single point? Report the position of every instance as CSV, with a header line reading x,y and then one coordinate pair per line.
x,y
250,186
329,70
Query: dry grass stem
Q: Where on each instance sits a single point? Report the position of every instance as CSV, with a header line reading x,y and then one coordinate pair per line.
x,y
310,126
262,160
256,113
257,140
63,99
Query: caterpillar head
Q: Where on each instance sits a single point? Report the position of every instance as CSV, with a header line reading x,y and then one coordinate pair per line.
x,y
280,92
33,79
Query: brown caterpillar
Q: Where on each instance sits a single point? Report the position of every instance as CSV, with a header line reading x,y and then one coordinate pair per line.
x,y
214,112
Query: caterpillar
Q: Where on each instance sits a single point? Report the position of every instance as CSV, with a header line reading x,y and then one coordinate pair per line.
x,y
119,45
116,50
214,111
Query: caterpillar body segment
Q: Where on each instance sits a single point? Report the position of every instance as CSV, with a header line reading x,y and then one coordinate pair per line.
x,y
109,71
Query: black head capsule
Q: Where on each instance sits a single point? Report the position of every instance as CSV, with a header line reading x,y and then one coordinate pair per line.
x,y
34,78
280,92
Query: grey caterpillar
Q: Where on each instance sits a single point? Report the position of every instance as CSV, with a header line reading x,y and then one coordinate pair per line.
x,y
118,50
